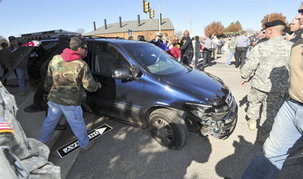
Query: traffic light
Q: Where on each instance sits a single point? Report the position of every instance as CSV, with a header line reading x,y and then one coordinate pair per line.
x,y
151,13
145,6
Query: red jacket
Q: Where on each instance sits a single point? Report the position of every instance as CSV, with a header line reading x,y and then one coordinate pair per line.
x,y
175,52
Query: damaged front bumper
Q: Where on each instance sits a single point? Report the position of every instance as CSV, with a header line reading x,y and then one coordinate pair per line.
x,y
218,121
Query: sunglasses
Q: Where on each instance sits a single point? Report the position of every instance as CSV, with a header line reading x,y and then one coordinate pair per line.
x,y
85,48
300,11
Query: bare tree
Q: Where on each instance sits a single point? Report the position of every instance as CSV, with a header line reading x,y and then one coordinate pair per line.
x,y
214,28
234,27
272,17
80,30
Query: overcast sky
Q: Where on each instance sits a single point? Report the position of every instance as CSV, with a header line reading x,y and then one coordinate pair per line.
x,y
26,16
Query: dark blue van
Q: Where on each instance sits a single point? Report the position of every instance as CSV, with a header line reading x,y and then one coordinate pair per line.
x,y
143,86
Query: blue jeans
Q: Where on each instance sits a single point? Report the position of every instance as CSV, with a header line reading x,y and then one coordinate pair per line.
x,y
287,131
21,78
230,56
74,117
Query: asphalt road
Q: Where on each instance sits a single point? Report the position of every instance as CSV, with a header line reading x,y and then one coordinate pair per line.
x,y
129,152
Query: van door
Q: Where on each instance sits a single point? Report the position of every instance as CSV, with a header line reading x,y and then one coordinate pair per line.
x,y
117,98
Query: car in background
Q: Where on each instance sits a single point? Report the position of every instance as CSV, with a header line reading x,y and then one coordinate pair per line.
x,y
143,86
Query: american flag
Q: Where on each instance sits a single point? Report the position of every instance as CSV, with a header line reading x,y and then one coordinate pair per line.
x,y
5,127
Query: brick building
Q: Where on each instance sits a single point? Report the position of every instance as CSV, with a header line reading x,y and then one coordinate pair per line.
x,y
146,27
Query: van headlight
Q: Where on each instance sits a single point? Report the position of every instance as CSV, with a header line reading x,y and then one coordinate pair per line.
x,y
205,112
199,110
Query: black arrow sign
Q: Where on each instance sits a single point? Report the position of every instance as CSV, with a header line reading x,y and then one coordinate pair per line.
x,y
93,134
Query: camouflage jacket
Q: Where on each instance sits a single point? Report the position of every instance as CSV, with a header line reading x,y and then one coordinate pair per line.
x,y
32,154
267,65
66,81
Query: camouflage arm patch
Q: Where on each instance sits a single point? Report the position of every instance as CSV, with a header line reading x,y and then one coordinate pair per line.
x,y
249,68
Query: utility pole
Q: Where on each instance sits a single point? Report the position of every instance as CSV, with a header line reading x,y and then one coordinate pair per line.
x,y
159,16
190,24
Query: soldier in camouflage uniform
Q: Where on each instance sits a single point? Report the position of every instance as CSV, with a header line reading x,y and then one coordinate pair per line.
x,y
20,157
67,77
267,70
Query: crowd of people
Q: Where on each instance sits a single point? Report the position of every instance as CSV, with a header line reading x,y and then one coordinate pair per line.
x,y
8,61
271,61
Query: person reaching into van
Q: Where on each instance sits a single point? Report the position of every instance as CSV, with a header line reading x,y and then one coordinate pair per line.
x,y
67,77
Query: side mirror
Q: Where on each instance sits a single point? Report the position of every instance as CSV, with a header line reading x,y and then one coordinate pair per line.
x,y
122,74
135,71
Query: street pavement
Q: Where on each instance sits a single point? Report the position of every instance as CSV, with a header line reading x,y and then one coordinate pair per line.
x,y
130,152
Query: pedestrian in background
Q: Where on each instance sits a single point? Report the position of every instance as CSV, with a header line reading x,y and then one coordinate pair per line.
x,y
241,43
174,50
141,38
208,44
4,45
159,42
186,48
20,69
287,130
221,44
67,77
196,48
214,46
231,50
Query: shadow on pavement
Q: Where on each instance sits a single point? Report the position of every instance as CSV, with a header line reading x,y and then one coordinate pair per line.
x,y
131,156
233,166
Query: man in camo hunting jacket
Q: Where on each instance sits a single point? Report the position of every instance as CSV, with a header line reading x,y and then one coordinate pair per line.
x,y
68,77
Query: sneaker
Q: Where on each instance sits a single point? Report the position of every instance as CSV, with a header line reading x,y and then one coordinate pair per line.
x,y
88,147
252,124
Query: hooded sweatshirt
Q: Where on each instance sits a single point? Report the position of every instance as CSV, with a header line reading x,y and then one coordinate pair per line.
x,y
69,55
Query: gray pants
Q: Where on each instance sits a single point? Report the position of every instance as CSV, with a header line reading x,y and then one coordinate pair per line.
x,y
270,103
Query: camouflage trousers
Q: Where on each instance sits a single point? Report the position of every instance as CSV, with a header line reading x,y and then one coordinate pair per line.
x,y
265,103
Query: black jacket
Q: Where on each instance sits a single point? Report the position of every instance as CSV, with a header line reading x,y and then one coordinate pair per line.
x,y
187,46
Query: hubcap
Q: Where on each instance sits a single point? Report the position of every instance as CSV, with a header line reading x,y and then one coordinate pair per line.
x,y
162,131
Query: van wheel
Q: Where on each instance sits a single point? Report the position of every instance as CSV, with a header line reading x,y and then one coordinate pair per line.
x,y
168,128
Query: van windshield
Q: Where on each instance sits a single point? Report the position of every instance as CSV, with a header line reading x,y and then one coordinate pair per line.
x,y
154,59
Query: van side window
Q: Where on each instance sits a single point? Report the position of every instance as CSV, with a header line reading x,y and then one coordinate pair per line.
x,y
107,59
